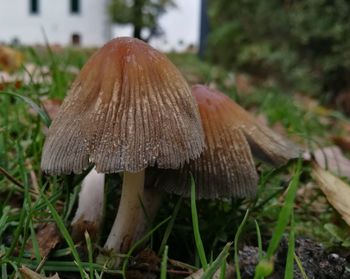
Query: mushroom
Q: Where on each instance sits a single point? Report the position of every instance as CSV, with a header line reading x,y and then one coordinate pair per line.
x,y
226,167
129,108
87,217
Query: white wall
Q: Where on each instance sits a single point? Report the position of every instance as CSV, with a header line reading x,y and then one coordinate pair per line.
x,y
57,21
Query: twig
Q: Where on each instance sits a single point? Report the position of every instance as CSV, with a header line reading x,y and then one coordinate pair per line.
x,y
10,177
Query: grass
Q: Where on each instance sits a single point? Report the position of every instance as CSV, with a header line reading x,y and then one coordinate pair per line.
x,y
196,233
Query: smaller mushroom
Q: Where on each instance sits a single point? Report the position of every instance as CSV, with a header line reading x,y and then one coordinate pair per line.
x,y
89,214
226,168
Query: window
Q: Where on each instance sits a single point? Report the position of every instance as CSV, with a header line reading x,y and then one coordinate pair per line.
x,y
75,39
75,6
34,7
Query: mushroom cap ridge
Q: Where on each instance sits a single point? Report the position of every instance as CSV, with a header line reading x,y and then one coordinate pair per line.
x,y
128,108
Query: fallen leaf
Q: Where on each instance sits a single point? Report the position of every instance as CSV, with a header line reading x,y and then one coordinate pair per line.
x,y
332,158
336,191
30,274
48,237
342,142
10,59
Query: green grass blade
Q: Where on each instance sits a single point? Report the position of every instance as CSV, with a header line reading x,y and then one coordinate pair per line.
x,y
219,261
34,242
3,219
197,236
23,213
65,234
223,270
43,115
68,266
163,269
169,227
239,230
300,266
147,235
289,271
90,253
258,234
285,213
4,271
265,266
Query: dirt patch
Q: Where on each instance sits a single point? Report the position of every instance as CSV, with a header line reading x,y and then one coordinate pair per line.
x,y
317,262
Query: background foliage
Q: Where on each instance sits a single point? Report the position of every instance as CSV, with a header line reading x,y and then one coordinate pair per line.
x,y
304,43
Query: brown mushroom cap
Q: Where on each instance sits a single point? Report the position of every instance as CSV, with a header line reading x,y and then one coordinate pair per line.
x,y
129,108
226,167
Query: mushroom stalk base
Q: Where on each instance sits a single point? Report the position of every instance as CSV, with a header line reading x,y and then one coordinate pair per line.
x,y
125,224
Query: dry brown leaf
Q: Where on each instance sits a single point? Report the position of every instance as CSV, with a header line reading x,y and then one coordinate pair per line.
x,y
30,274
336,191
10,59
332,158
48,237
342,142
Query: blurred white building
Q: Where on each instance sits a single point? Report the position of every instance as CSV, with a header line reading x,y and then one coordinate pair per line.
x,y
63,22
86,22
180,25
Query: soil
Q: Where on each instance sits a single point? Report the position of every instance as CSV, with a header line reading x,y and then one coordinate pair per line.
x,y
317,262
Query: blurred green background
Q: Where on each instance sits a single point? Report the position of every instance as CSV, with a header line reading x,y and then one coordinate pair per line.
x,y
302,45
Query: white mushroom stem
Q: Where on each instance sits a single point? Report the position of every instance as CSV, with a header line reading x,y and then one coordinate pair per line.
x,y
89,214
130,208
